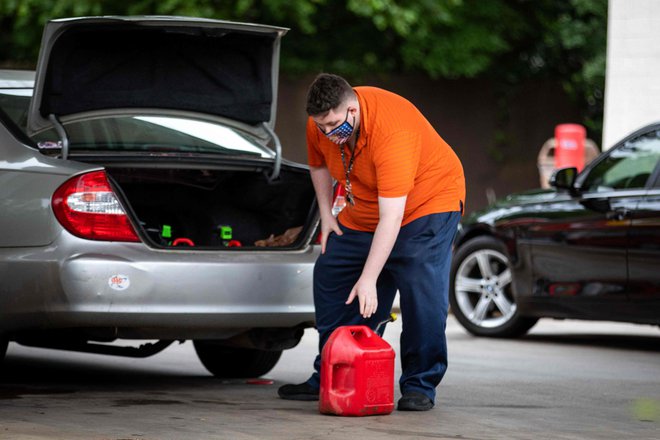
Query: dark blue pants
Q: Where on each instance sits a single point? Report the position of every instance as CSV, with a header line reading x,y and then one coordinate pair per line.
x,y
419,268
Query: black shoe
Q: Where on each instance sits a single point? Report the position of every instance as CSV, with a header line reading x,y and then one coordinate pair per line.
x,y
302,391
412,401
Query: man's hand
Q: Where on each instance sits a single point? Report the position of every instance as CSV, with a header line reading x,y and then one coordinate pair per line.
x,y
323,188
328,224
365,291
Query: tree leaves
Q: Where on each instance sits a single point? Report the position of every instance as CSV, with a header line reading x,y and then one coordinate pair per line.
x,y
506,40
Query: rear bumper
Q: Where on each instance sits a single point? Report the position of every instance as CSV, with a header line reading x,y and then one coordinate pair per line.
x,y
139,290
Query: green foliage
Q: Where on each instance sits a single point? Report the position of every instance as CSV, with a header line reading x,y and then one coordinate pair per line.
x,y
509,41
571,46
454,38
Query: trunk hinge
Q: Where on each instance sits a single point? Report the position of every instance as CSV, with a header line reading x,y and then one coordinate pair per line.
x,y
278,153
61,132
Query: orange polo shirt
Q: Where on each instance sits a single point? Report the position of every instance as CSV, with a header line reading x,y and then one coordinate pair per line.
x,y
398,153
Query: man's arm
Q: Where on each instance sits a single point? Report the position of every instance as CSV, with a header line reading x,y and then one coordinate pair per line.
x,y
322,182
391,215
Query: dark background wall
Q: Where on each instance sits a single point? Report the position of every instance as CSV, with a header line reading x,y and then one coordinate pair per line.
x,y
497,132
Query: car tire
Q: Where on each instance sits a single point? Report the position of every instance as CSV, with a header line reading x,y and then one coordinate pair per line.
x,y
235,362
480,290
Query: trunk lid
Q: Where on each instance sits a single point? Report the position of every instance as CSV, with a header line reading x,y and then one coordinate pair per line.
x,y
93,65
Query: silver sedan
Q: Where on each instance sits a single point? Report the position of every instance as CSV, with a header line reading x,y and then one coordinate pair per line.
x,y
143,194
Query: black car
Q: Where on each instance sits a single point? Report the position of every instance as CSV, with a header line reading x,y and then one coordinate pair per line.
x,y
589,248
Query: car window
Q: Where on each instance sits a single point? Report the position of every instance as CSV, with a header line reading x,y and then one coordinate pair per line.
x,y
160,134
15,103
627,167
13,113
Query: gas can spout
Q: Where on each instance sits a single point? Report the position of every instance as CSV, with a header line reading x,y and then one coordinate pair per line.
x,y
390,318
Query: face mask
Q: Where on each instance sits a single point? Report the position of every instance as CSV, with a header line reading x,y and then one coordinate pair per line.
x,y
341,134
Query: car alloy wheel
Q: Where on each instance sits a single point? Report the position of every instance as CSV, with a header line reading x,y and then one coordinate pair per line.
x,y
483,288
481,293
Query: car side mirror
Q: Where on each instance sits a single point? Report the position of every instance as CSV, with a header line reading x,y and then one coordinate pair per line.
x,y
564,178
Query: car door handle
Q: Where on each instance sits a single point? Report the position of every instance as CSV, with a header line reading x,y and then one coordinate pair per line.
x,y
618,214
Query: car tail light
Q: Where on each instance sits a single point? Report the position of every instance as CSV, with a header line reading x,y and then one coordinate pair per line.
x,y
338,203
86,206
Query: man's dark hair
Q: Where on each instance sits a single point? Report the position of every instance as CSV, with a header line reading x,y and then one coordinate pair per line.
x,y
327,92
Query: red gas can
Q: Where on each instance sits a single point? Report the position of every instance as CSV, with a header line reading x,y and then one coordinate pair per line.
x,y
357,373
569,146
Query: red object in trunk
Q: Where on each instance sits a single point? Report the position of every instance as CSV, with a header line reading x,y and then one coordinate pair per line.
x,y
183,241
357,373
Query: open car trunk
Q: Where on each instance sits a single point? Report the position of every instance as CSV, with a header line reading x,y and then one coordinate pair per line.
x,y
218,209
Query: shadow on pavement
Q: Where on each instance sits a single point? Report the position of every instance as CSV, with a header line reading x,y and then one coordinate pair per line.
x,y
22,375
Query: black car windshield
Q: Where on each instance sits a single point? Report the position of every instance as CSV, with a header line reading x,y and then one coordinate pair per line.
x,y
627,167
161,134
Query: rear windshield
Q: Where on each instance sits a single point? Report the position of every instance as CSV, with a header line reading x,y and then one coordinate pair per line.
x,y
135,133
153,134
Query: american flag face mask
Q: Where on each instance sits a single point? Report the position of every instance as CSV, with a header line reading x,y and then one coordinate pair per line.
x,y
340,135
